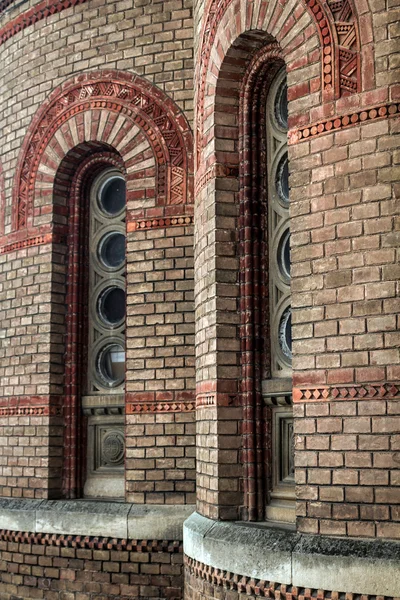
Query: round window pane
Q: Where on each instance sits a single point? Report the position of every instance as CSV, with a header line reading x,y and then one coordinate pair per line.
x,y
112,195
111,305
111,364
112,250
285,333
284,254
282,179
281,106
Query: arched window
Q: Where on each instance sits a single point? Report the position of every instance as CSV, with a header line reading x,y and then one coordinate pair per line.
x,y
104,386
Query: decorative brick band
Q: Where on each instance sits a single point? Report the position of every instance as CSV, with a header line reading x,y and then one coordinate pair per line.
x,y
216,399
347,392
38,240
159,402
90,542
265,589
129,100
382,111
37,13
142,225
379,112
213,393
25,406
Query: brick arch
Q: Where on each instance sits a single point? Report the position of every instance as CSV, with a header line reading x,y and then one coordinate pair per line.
x,y
309,32
113,108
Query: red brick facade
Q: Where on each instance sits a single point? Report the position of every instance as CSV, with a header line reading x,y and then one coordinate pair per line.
x,y
43,566
173,95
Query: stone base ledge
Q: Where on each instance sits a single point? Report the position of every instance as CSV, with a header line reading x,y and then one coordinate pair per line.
x,y
367,567
95,518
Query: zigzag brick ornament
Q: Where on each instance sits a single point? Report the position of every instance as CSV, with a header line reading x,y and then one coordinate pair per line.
x,y
137,104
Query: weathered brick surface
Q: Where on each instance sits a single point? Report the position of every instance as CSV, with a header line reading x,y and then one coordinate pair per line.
x,y
344,232
347,467
153,40
35,570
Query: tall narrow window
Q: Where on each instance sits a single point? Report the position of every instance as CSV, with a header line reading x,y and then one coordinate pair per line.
x,y
104,399
277,389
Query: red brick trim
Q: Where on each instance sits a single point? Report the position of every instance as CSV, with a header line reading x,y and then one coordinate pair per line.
x,y
36,13
38,406
336,123
336,25
90,542
159,402
387,391
265,589
217,393
216,399
38,240
142,104
181,221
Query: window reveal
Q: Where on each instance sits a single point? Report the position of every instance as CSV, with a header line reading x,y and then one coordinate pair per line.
x,y
277,390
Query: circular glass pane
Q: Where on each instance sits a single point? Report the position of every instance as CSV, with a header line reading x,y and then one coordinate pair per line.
x,y
112,195
282,179
284,254
111,305
111,364
112,250
281,105
285,333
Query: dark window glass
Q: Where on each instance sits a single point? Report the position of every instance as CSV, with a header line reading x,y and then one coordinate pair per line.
x,y
281,106
282,179
112,250
284,254
111,305
285,333
111,364
112,195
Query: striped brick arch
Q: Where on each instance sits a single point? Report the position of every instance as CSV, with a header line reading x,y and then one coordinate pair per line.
x,y
326,46
123,112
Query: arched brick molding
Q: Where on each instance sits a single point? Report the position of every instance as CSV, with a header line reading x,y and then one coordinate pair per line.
x,y
108,107
344,66
294,28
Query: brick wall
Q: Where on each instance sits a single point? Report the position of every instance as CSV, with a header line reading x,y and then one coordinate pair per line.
x,y
344,223
348,467
149,39
31,431
160,367
56,567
